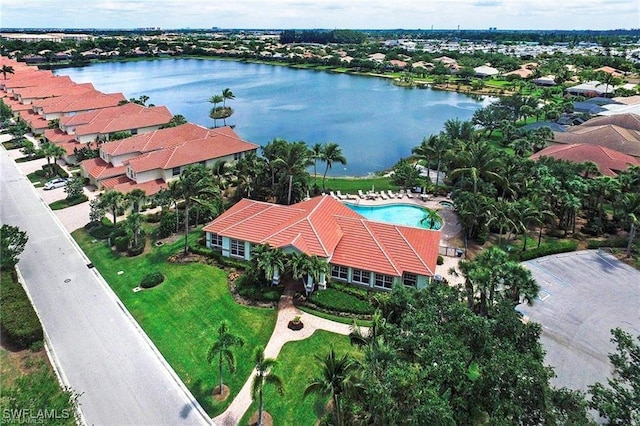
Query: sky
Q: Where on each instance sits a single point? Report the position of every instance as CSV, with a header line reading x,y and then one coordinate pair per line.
x,y
330,14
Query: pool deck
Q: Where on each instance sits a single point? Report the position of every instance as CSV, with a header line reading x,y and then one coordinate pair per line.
x,y
450,228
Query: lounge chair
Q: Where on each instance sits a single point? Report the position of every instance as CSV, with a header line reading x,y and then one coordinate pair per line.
x,y
401,193
333,195
350,197
340,196
409,194
383,195
424,197
391,194
361,194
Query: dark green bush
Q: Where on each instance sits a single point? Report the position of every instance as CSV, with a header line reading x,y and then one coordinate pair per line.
x,y
135,251
609,242
545,250
152,279
249,286
167,224
101,232
117,231
122,243
19,323
154,218
335,300
440,260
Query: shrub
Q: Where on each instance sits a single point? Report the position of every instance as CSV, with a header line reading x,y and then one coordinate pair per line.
x,y
336,300
167,224
117,231
545,250
440,260
151,279
137,250
249,286
609,242
101,232
19,322
122,243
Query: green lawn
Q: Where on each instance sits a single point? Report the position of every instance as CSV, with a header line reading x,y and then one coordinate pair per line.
x,y
352,185
296,367
182,314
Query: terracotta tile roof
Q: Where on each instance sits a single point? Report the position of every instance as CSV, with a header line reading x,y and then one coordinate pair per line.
x,y
325,227
610,136
31,79
117,119
79,102
153,141
99,169
50,88
609,162
125,185
626,121
69,146
217,143
58,136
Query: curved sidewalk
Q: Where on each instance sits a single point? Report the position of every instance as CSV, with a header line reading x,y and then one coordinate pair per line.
x,y
281,335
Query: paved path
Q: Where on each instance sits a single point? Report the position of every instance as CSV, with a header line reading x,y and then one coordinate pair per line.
x,y
281,335
95,345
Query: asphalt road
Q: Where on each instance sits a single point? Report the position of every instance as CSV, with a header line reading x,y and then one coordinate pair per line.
x,y
96,346
583,296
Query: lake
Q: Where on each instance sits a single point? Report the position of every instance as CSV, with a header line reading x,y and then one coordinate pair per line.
x,y
375,122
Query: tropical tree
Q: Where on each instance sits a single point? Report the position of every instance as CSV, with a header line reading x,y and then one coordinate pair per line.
x,y
432,217
270,261
332,154
134,225
52,152
476,162
221,349
7,69
316,153
136,197
12,243
227,94
264,376
215,100
338,376
630,205
112,201
74,187
194,184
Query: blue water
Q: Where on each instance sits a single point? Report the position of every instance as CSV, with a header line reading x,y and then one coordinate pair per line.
x,y
374,122
399,214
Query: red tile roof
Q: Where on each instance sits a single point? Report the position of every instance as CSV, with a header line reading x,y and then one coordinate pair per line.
x,y
217,143
609,162
325,227
158,139
99,169
121,118
610,136
125,185
53,87
58,136
79,102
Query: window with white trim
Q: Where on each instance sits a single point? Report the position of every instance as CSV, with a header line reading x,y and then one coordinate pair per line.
x,y
175,171
410,280
361,276
340,272
383,281
237,248
216,241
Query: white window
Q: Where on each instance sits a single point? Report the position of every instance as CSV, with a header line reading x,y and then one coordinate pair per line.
x,y
237,248
361,276
339,272
410,280
384,281
216,241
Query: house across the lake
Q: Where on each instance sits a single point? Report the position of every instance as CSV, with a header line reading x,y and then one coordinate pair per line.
x,y
359,251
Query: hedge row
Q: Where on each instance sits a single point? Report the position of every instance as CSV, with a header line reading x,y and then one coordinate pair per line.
x,y
218,257
618,242
19,322
545,250
336,300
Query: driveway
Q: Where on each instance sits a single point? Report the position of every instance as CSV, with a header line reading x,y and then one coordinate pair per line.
x,y
94,343
583,296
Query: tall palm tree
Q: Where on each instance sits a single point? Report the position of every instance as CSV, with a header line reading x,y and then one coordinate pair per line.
x,y
222,349
112,201
194,182
270,261
630,206
332,154
227,94
137,197
477,162
337,377
174,193
263,376
53,152
134,224
432,217
316,153
7,69
215,100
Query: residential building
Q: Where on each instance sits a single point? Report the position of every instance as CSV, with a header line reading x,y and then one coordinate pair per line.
x,y
359,251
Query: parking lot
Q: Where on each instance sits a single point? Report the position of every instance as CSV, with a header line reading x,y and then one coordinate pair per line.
x,y
583,296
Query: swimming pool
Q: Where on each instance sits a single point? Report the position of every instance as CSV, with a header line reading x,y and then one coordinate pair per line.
x,y
399,214
447,204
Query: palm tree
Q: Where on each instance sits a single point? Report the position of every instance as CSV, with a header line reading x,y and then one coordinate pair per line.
x,y
112,201
263,376
631,208
332,154
137,196
316,153
477,162
215,100
7,69
338,377
357,337
134,223
174,193
193,183
52,151
270,261
432,217
222,349
227,94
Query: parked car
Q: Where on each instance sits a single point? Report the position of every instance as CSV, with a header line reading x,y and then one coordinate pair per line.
x,y
56,183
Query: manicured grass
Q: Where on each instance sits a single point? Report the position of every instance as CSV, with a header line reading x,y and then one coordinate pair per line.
x,y
297,366
182,314
352,185
336,318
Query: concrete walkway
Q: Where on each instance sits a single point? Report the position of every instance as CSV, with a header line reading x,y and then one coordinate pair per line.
x,y
281,335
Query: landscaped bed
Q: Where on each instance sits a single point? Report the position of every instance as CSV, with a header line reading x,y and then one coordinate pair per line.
x,y
181,315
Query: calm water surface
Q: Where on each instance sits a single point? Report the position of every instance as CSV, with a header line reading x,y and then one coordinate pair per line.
x,y
374,122
399,214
